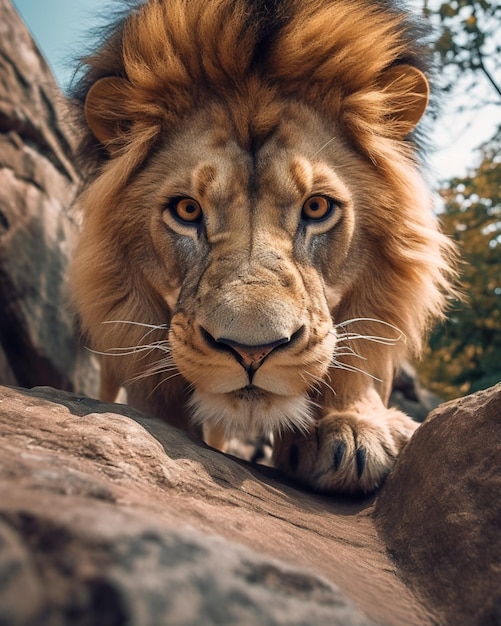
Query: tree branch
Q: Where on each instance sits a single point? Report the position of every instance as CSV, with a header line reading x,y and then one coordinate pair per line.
x,y
481,57
487,74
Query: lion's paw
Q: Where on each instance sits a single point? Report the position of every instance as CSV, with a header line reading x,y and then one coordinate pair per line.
x,y
345,452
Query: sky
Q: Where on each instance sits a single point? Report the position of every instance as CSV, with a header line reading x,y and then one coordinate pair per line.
x,y
62,28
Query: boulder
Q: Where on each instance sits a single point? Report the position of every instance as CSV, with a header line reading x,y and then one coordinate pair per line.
x,y
111,517
440,511
39,340
409,395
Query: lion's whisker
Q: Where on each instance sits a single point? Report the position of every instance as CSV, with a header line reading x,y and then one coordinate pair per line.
x,y
389,341
159,370
164,380
325,145
158,345
400,334
133,350
152,326
160,366
125,351
349,351
352,368
149,332
321,381
313,385
144,375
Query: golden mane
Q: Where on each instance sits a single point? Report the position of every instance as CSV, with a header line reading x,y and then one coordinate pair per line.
x,y
175,54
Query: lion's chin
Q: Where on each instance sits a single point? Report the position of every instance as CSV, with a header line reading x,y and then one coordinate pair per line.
x,y
251,411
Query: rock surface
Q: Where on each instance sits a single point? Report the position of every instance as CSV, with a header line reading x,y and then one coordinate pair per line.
x,y
440,510
39,342
110,517
410,396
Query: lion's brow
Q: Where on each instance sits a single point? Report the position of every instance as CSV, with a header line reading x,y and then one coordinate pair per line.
x,y
301,176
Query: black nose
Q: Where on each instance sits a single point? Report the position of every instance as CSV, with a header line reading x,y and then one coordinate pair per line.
x,y
249,357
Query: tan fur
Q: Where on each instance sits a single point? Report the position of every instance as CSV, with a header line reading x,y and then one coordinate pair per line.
x,y
197,99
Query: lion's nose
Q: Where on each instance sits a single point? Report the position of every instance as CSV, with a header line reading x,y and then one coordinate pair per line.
x,y
249,357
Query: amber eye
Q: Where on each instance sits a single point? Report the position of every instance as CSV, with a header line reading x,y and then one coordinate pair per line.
x,y
187,210
318,208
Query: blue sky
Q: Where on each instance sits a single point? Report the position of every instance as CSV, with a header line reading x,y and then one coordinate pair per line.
x,y
62,29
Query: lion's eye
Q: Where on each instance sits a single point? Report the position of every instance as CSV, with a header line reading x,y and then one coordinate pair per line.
x,y
187,210
318,208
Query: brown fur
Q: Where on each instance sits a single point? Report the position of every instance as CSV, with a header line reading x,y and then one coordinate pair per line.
x,y
250,112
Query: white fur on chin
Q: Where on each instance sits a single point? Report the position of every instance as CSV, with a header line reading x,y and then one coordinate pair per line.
x,y
251,417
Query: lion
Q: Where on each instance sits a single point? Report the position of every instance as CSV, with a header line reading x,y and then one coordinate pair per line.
x,y
259,251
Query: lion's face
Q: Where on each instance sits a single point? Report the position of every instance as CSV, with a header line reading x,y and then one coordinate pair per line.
x,y
250,252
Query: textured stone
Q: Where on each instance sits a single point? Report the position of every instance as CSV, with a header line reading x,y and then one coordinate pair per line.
x,y
106,512
39,342
410,396
116,567
440,511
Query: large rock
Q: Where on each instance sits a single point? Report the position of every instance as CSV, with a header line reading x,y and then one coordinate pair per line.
x,y
110,517
440,511
39,342
410,396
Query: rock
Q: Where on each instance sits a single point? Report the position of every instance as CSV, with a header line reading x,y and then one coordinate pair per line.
x,y
410,396
39,341
111,517
440,511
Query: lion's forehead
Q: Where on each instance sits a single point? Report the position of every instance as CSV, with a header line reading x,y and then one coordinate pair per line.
x,y
297,158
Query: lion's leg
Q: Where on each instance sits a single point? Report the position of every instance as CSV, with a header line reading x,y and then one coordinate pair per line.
x,y
215,436
108,385
347,451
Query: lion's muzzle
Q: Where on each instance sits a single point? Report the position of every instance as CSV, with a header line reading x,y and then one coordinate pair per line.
x,y
250,357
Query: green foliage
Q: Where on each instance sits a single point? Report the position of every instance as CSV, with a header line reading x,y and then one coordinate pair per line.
x,y
469,44
464,354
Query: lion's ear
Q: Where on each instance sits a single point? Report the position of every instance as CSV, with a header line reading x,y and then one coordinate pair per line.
x,y
408,91
106,109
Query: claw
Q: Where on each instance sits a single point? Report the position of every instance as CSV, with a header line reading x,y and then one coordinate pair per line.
x,y
339,455
361,458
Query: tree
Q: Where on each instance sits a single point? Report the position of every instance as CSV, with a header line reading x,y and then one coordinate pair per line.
x,y
464,353
469,44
